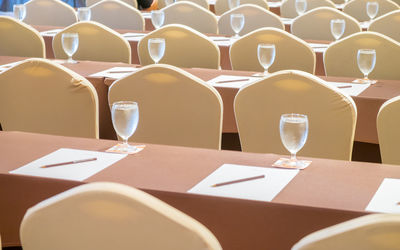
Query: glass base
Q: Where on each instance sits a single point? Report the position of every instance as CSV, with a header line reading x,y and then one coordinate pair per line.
x,y
365,81
124,148
291,164
261,74
71,61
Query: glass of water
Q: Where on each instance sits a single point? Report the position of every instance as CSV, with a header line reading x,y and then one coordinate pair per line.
x,y
19,11
293,129
237,23
372,10
337,28
156,48
84,14
266,56
301,6
366,59
233,3
125,118
157,18
70,42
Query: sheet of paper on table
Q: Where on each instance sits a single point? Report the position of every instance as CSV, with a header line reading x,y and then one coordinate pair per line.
x,y
222,40
50,32
146,14
77,171
227,81
387,198
286,20
4,67
274,4
352,89
133,36
319,47
115,72
263,189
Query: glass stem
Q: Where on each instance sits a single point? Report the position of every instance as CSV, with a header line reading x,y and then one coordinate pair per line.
x,y
266,71
293,157
366,77
125,142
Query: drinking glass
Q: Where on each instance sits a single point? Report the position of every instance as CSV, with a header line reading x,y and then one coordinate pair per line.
x,y
19,11
266,55
372,9
169,2
70,42
233,3
157,18
84,14
337,28
156,48
125,118
293,129
237,23
301,6
366,59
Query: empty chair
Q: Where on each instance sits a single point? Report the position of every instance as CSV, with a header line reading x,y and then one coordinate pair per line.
x,y
49,12
19,39
184,47
332,116
175,107
132,3
340,58
358,8
291,52
387,24
316,24
191,15
372,232
116,14
96,43
222,6
288,8
255,17
202,3
40,96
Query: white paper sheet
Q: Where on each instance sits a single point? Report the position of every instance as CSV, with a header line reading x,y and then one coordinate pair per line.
x,y
222,41
76,172
146,15
133,36
286,20
216,82
264,189
387,198
365,25
50,32
274,4
4,67
354,90
115,72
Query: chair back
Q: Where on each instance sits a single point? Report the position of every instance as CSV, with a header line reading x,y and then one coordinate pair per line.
x,y
175,107
291,52
316,24
340,59
96,43
358,8
184,47
222,6
255,17
19,39
49,12
132,3
116,14
288,7
386,24
332,116
40,96
202,3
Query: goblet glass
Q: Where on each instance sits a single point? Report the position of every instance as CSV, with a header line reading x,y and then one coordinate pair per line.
x,y
125,118
70,42
301,6
156,48
366,59
157,18
293,130
233,3
237,23
372,10
19,11
84,14
266,56
337,28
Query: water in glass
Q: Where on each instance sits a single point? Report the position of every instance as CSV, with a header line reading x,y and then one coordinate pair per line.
x,y
293,130
366,59
301,6
70,42
237,23
337,27
125,118
19,11
156,48
233,3
372,9
266,55
157,18
84,14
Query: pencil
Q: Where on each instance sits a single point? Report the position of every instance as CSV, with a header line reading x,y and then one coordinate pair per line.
x,y
68,162
236,80
239,180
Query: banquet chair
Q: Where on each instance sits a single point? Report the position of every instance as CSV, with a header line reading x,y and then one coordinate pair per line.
x,y
358,8
288,9
191,15
332,115
202,3
369,232
316,24
175,107
116,14
184,47
41,96
96,43
291,52
222,6
19,39
340,58
106,215
132,3
386,24
49,12
255,18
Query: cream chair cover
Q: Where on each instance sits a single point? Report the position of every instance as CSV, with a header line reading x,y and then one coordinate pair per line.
x,y
184,47
106,215
192,15
96,43
288,8
175,107
316,24
49,12
132,3
202,3
358,8
19,39
40,96
291,52
332,116
116,14
387,25
369,232
255,18
340,59
222,6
